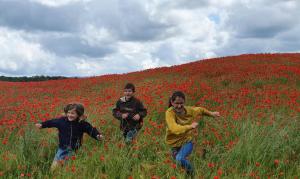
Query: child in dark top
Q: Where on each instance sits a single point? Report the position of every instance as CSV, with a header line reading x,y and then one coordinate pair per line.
x,y
130,112
70,131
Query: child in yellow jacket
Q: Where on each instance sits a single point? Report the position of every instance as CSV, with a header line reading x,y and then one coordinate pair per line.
x,y
179,119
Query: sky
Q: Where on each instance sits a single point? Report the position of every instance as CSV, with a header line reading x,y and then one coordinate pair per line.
x,y
96,37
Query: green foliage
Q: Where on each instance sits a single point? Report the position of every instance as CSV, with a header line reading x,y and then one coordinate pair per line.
x,y
258,84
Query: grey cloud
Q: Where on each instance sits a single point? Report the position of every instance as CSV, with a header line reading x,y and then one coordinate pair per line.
x,y
74,46
191,4
256,22
183,4
262,27
242,46
128,21
33,16
165,52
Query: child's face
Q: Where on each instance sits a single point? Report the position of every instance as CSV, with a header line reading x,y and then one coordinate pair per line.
x,y
72,115
178,104
128,93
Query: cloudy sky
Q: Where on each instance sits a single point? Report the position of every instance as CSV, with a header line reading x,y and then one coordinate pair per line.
x,y
95,37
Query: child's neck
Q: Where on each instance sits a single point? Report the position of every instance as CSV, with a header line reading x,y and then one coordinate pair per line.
x,y
182,112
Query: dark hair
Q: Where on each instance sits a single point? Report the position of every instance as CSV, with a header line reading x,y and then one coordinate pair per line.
x,y
130,86
78,108
175,95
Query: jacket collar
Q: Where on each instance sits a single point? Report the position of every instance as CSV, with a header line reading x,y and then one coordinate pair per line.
x,y
123,99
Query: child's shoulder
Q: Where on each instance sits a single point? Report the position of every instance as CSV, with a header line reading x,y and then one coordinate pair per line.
x,y
84,122
61,118
190,108
170,110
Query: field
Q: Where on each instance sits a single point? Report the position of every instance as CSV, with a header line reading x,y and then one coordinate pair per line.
x,y
257,136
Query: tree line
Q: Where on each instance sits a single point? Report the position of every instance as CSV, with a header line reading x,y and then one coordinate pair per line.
x,y
32,78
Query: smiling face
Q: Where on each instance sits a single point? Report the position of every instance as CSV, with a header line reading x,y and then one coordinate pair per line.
x,y
178,104
72,115
128,93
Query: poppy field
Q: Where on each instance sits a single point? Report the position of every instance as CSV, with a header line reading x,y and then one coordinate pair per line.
x,y
257,135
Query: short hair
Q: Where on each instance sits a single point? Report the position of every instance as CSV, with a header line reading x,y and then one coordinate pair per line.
x,y
77,106
130,86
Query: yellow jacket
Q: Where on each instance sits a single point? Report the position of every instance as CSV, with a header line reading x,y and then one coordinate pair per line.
x,y
179,126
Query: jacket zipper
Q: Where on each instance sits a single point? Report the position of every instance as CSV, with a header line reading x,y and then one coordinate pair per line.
x,y
70,144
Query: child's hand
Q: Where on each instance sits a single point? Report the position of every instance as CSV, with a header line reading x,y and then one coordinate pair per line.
x,y
124,115
136,117
194,125
38,125
100,137
215,114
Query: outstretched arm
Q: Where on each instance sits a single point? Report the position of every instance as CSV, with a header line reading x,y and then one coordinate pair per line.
x,y
203,111
38,125
92,131
214,114
47,124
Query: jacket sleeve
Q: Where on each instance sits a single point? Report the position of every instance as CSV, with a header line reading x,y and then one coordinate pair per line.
x,y
116,111
200,111
141,110
50,123
90,130
173,126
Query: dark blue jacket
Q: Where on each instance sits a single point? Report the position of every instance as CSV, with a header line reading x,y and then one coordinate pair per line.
x,y
70,132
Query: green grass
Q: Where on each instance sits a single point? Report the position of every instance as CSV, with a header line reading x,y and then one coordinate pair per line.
x,y
261,144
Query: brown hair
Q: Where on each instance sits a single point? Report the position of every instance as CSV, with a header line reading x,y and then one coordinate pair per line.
x,y
130,86
77,106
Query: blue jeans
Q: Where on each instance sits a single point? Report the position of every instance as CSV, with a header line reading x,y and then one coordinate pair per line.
x,y
130,135
181,153
61,154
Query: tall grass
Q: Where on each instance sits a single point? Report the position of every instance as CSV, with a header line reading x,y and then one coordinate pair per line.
x,y
260,151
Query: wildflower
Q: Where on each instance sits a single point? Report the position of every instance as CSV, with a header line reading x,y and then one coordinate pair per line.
x,y
173,165
220,172
73,169
211,165
154,177
4,142
73,157
102,158
276,162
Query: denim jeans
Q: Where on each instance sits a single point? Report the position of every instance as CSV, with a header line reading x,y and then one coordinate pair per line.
x,y
130,135
181,153
61,154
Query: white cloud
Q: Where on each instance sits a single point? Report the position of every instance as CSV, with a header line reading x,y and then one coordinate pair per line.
x,y
91,37
97,36
17,54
